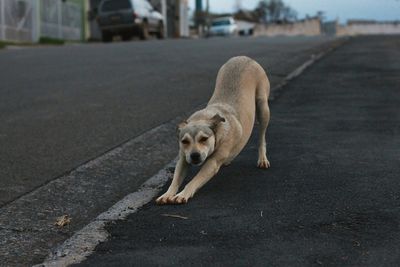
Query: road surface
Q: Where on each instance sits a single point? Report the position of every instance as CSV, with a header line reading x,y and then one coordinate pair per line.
x,y
62,107
330,198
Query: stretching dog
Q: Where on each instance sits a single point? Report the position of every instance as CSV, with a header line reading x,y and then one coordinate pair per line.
x,y
216,135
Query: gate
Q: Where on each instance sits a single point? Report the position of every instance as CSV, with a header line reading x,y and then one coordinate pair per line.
x,y
61,20
17,20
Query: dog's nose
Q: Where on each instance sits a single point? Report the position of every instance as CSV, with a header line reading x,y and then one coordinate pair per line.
x,y
195,157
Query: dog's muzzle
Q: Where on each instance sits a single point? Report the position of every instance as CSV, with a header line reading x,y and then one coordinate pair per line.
x,y
195,158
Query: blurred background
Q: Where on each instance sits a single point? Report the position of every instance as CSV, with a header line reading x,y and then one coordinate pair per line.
x,y
57,21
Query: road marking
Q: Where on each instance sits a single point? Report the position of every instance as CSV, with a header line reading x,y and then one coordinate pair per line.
x,y
299,70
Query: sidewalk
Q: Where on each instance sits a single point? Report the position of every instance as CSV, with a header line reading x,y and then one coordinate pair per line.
x,y
331,196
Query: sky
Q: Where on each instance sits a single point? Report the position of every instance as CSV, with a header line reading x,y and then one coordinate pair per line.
x,y
341,9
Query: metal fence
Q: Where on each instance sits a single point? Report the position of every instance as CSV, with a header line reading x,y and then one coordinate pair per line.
x,y
17,20
61,20
27,20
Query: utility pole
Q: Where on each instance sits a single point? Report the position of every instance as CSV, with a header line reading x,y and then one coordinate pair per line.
x,y
238,5
199,16
198,12
207,18
2,22
164,14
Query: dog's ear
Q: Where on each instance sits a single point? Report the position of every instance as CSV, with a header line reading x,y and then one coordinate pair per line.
x,y
215,121
180,126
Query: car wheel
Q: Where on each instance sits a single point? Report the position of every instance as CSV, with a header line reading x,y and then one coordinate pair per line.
x,y
106,36
126,37
160,33
144,33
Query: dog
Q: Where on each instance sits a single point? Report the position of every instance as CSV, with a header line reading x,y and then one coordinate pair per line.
x,y
215,135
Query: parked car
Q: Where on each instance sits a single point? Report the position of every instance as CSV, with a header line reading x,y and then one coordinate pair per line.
x,y
225,26
245,28
127,18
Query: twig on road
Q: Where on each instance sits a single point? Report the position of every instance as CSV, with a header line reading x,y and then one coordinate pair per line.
x,y
175,216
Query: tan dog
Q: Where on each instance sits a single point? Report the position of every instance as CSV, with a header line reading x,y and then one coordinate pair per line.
x,y
215,135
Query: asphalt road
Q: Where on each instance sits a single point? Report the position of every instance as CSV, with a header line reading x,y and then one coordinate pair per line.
x,y
60,107
63,106
331,197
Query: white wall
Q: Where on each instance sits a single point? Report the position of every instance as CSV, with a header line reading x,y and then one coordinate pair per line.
x,y
309,27
368,28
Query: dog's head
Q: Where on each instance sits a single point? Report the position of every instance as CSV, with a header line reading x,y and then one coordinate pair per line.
x,y
197,139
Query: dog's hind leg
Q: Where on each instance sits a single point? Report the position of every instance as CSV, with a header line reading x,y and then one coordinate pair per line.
x,y
263,116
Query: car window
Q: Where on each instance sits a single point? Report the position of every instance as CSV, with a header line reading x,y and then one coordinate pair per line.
x,y
114,5
147,5
138,4
221,23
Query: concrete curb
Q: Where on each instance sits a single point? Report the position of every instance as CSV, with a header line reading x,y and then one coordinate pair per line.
x,y
82,243
299,70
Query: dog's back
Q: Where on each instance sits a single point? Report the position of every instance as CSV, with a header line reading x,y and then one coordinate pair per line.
x,y
230,77
240,82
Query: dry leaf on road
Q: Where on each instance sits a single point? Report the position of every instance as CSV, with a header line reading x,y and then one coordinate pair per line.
x,y
62,221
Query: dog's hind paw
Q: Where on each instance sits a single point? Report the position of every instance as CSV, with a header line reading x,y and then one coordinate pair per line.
x,y
263,163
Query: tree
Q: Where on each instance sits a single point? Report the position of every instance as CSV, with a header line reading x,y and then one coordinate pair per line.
x,y
289,14
261,11
274,11
238,5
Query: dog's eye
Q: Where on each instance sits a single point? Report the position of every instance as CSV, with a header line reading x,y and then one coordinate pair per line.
x,y
203,139
185,142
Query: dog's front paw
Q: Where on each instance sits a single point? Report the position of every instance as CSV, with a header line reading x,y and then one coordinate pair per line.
x,y
263,163
165,199
181,198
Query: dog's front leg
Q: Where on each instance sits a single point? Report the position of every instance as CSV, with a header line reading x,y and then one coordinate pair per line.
x,y
179,175
209,169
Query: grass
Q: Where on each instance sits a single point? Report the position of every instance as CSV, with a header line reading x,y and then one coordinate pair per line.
x,y
51,41
3,44
42,40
